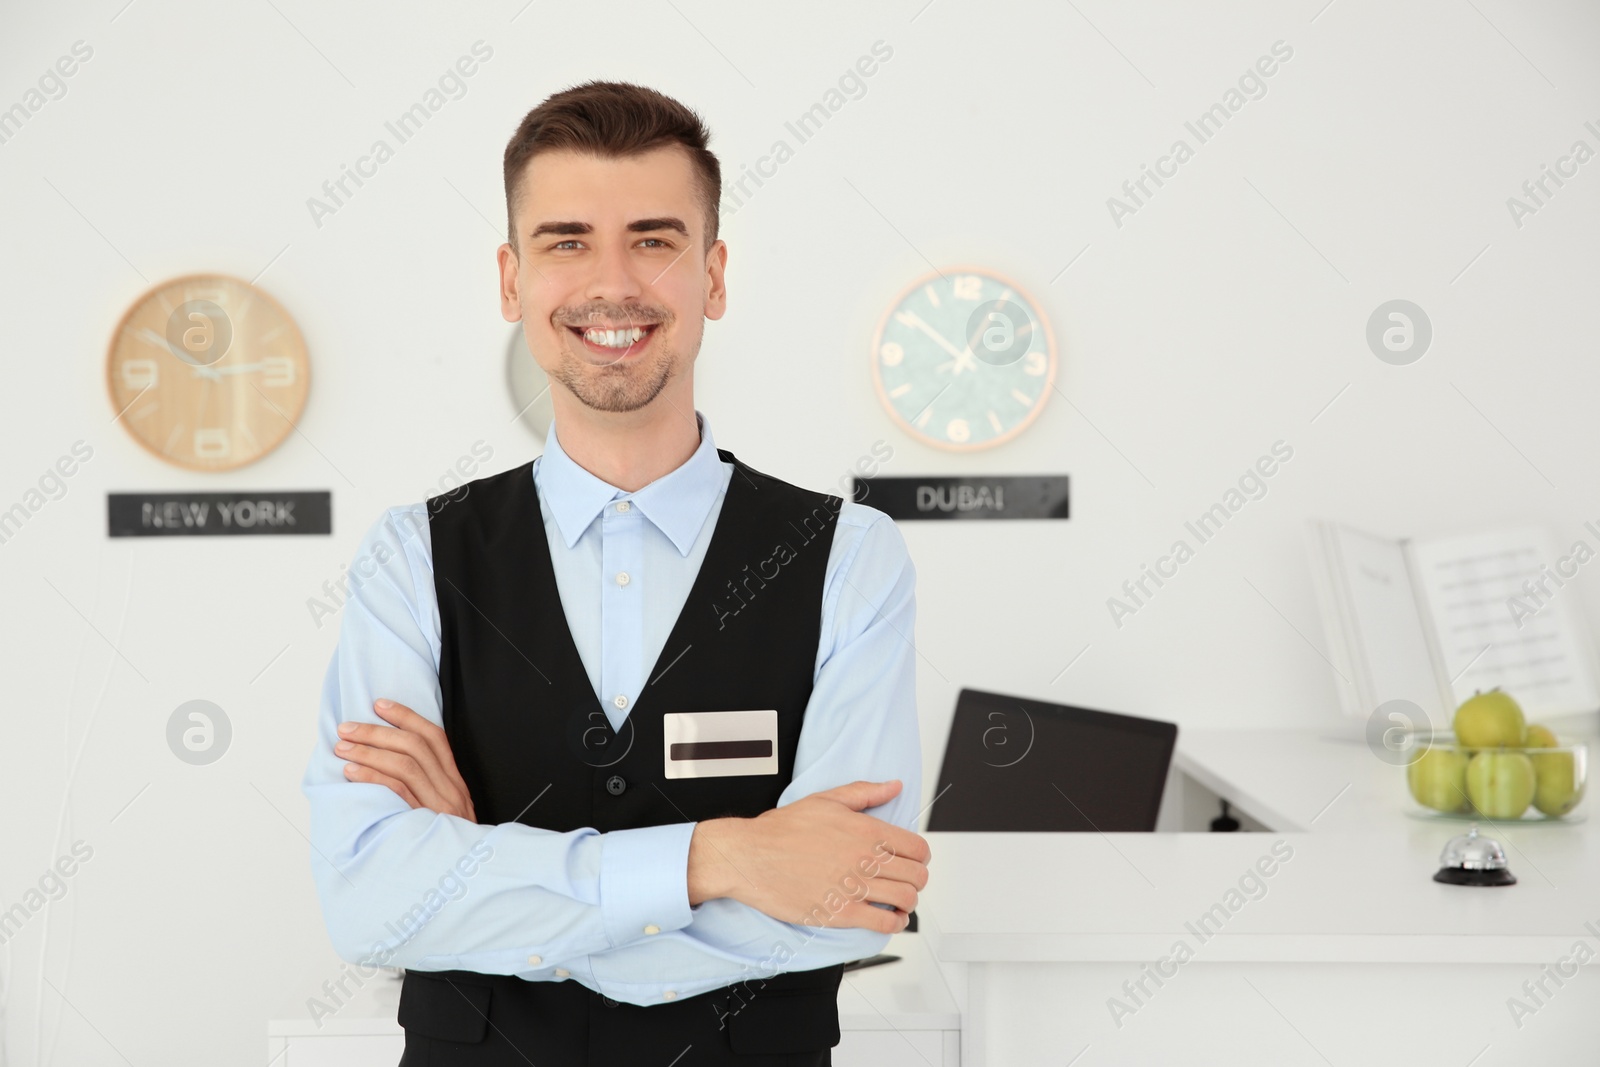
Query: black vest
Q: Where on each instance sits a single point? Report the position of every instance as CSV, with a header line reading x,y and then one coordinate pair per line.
x,y
524,722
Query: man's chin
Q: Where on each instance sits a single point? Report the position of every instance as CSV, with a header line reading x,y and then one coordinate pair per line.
x,y
620,387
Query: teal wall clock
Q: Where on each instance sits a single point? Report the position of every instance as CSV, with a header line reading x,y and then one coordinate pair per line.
x,y
963,359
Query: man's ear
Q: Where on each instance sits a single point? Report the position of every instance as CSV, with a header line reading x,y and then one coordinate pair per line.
x,y
510,296
716,289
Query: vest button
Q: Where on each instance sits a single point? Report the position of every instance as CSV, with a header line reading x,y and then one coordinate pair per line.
x,y
608,1002
615,785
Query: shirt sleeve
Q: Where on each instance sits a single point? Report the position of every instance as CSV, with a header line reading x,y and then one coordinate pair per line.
x,y
860,723
412,888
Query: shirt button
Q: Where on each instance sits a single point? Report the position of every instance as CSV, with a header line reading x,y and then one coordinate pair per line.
x,y
623,505
562,972
535,960
616,784
652,929
622,577
669,994
620,701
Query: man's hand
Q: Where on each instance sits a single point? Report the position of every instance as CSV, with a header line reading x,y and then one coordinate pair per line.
x,y
791,862
411,757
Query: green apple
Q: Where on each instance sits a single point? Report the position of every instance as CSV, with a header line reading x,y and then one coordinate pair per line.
x,y
1558,790
1500,784
1438,779
1490,720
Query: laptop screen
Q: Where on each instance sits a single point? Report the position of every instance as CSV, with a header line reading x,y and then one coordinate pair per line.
x,y
1017,764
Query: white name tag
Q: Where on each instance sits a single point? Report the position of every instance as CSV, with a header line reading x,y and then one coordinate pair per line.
x,y
711,744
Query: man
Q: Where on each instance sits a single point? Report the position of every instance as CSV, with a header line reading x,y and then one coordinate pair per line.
x,y
600,742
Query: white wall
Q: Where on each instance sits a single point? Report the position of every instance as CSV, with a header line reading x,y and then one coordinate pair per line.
x,y
1224,315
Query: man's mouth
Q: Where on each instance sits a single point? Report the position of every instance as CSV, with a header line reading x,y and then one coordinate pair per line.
x,y
614,341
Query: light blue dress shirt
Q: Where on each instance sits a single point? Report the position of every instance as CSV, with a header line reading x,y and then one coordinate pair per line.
x,y
413,888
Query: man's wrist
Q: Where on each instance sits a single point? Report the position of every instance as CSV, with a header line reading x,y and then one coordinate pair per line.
x,y
711,871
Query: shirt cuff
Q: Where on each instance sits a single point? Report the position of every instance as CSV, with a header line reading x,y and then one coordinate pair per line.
x,y
644,881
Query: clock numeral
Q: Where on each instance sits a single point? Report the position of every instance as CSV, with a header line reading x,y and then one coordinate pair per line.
x,y
139,373
1022,398
891,354
1034,363
958,430
277,370
967,287
211,443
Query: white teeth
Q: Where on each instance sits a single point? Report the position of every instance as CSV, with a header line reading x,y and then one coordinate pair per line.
x,y
614,338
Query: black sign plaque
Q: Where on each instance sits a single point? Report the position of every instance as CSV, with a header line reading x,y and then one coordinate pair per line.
x,y
995,496
181,514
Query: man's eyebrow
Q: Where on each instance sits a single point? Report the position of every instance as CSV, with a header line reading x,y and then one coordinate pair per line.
x,y
568,229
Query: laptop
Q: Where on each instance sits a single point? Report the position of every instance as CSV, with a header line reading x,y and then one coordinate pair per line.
x,y
1016,764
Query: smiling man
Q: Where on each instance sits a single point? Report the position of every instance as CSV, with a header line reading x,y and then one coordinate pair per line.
x,y
618,752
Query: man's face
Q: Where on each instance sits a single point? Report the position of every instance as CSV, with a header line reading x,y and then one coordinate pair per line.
x,y
611,283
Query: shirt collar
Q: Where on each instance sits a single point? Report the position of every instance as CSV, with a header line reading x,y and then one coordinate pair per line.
x,y
678,502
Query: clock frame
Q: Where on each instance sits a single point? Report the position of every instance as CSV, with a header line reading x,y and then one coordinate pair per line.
x,y
955,284
207,372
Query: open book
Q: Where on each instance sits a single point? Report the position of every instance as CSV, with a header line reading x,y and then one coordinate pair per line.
x,y
1433,621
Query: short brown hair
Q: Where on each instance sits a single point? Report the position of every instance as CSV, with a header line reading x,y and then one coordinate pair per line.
x,y
613,119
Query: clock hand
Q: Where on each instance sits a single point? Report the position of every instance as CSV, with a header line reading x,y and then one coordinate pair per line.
x,y
963,356
232,368
144,333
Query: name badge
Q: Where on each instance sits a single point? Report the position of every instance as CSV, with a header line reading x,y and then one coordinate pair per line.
x,y
712,744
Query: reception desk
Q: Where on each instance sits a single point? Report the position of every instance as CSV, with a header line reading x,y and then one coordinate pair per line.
x,y
1320,939
1315,937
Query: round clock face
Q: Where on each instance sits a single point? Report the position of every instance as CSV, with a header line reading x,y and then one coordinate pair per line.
x,y
529,387
208,372
964,359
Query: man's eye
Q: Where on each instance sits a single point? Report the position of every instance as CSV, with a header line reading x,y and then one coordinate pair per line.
x,y
658,241
558,244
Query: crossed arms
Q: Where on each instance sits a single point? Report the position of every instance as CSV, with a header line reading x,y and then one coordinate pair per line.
x,y
407,877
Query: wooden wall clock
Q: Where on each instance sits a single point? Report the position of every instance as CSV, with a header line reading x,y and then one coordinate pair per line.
x,y
963,359
208,372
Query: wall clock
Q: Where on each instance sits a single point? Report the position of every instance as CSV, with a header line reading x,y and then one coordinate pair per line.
x,y
208,372
963,359
529,387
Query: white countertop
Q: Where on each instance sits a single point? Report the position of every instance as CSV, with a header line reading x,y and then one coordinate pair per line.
x,y
1358,887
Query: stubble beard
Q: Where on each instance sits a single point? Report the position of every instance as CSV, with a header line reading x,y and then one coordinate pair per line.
x,y
620,386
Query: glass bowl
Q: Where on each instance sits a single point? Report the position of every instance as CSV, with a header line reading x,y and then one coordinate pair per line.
x,y
1452,781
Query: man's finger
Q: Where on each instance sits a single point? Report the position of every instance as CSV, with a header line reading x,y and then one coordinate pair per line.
x,y
393,764
884,891
358,773
405,718
859,915
860,794
903,869
411,744
898,841
432,734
